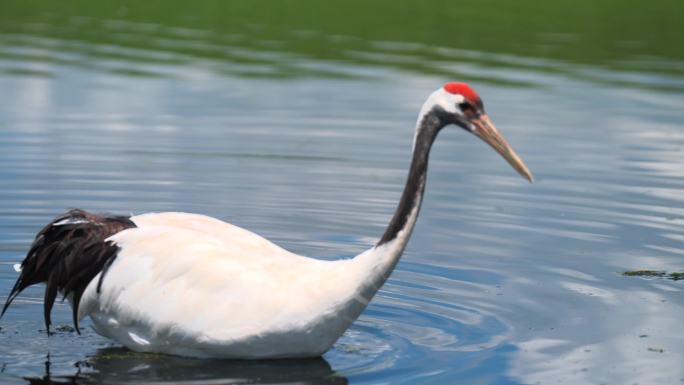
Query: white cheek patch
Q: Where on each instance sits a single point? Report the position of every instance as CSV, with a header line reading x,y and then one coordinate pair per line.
x,y
447,101
443,99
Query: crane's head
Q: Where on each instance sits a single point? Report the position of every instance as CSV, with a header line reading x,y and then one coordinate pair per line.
x,y
457,103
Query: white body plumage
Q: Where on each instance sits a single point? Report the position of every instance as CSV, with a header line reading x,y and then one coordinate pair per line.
x,y
192,285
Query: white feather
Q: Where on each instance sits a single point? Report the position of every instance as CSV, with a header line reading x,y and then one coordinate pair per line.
x,y
192,285
70,221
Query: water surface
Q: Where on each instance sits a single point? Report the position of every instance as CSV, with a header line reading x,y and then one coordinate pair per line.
x,y
131,110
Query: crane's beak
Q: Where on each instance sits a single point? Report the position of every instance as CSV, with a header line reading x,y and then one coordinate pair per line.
x,y
485,130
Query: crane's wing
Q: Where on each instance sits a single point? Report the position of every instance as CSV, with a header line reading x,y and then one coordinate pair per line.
x,y
192,275
231,237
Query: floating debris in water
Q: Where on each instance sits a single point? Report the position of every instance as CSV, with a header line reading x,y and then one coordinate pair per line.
x,y
675,276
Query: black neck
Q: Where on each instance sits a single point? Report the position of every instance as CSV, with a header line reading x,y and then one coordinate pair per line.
x,y
411,198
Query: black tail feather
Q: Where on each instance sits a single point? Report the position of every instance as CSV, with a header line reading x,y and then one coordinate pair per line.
x,y
67,254
50,295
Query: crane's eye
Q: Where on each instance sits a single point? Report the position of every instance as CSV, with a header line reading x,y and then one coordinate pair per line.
x,y
468,109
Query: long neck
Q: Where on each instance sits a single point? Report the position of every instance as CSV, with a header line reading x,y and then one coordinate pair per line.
x,y
377,263
400,227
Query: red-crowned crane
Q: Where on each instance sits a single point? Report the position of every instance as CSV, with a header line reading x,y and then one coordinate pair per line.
x,y
191,285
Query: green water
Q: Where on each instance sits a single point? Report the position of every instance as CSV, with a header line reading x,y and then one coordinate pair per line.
x,y
416,36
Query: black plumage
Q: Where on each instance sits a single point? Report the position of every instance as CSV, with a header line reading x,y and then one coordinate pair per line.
x,y
67,254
